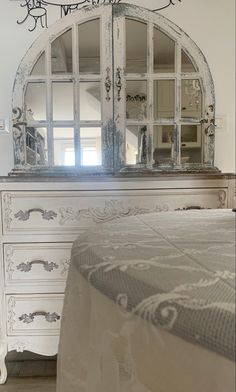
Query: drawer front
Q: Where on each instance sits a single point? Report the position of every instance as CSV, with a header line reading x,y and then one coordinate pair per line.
x,y
34,314
63,212
37,263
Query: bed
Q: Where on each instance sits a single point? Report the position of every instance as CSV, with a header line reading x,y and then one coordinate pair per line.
x,y
150,306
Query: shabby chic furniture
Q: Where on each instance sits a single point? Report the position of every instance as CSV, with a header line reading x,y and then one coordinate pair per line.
x,y
98,137
40,219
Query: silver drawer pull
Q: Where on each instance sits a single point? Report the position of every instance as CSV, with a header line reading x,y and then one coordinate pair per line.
x,y
49,317
27,267
108,84
25,215
118,83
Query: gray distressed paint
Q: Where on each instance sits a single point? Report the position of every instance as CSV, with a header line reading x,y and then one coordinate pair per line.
x,y
113,140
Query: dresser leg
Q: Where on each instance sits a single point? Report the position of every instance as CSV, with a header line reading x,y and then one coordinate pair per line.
x,y
3,369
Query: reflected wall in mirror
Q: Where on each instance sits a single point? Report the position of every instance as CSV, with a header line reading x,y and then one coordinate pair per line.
x,y
64,149
164,53
136,46
191,99
39,67
35,101
163,144
36,146
90,101
136,100
191,142
89,47
63,101
186,64
136,144
61,54
164,99
91,146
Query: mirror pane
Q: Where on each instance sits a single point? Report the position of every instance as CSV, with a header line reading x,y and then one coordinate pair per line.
x,y
191,142
89,47
61,54
35,101
164,99
63,101
136,100
136,144
39,67
191,96
91,146
90,101
136,46
164,52
163,144
64,149
186,63
36,146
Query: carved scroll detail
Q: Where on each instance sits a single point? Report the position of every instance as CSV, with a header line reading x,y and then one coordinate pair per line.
x,y
113,209
7,200
18,124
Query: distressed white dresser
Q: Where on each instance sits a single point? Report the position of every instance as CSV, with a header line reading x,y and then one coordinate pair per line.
x,y
40,219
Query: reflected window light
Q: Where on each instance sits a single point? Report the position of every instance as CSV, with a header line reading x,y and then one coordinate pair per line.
x,y
90,156
69,159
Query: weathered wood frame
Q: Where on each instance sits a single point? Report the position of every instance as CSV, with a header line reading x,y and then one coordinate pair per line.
x,y
112,21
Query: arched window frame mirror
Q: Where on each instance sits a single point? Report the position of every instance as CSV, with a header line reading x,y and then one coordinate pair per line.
x,y
158,139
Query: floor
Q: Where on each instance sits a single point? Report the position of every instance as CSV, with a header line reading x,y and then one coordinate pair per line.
x,y
29,372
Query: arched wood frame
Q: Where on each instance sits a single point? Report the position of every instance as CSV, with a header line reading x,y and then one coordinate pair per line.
x,y
118,11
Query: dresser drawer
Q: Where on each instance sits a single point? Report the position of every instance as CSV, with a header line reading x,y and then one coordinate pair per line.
x,y
34,314
36,263
72,212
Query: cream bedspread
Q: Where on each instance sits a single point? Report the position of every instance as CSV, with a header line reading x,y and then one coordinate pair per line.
x,y
150,306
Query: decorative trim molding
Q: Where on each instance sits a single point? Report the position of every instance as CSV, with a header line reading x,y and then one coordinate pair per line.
x,y
11,320
113,209
7,200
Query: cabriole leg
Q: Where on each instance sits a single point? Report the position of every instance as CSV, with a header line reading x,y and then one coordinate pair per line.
x,y
3,369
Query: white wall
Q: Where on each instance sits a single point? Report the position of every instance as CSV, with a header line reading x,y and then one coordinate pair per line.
x,y
210,23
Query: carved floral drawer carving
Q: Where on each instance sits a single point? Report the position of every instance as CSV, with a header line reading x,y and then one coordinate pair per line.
x,y
62,212
40,263
34,314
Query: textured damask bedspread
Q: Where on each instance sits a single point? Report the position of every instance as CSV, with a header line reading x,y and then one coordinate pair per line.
x,y
175,270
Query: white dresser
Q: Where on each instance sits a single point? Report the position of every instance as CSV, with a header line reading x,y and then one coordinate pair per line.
x,y
40,218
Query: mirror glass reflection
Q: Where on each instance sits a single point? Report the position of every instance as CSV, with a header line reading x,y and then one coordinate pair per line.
x,y
91,146
64,149
164,99
90,101
191,142
164,52
136,100
35,101
136,144
61,54
39,67
89,47
136,46
186,64
163,144
63,101
191,99
36,146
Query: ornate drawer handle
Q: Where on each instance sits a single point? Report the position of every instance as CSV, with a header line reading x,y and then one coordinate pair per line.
x,y
25,215
49,317
108,84
26,267
118,83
